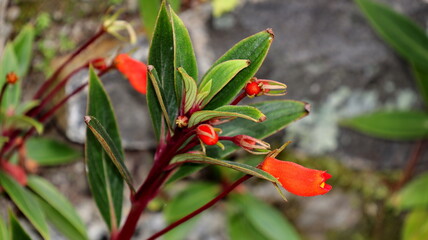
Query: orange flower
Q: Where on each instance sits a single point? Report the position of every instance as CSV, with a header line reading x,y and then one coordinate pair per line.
x,y
135,71
207,134
296,178
11,78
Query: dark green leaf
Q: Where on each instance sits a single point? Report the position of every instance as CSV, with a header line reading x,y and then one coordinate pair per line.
x,y
26,203
48,152
21,121
8,64
154,106
110,148
160,95
232,111
241,167
183,54
407,38
191,198
416,225
4,231
414,194
23,46
253,48
58,209
397,125
240,227
421,75
104,179
190,89
16,230
219,76
265,219
161,56
279,113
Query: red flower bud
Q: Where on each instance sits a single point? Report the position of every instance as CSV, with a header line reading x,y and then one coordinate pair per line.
x,y
250,144
99,64
11,78
135,71
257,87
296,178
15,171
207,134
182,121
252,89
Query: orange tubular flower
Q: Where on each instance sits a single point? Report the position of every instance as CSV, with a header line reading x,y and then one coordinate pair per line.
x,y
296,178
135,71
207,134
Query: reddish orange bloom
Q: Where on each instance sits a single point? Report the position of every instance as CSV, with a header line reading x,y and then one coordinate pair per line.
x,y
15,171
207,134
11,78
257,87
99,64
135,71
296,178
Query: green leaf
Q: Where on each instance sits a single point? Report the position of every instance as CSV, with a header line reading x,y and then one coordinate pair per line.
x,y
4,231
413,195
49,152
23,46
25,122
416,225
110,148
279,114
104,179
190,89
26,203
16,230
220,75
407,38
253,48
191,198
8,64
160,95
26,106
223,6
161,56
183,54
241,167
240,227
396,125
149,10
421,76
58,209
266,219
246,112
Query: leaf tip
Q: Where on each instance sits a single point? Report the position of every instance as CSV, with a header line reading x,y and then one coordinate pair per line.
x,y
262,118
150,68
270,31
87,119
308,107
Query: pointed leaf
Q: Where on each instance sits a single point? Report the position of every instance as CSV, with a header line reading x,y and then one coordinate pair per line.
x,y
407,38
413,195
21,121
4,231
16,230
246,112
58,209
253,48
160,95
279,114
240,227
397,125
188,200
26,203
9,63
190,89
149,10
260,215
23,45
161,56
49,152
221,75
416,225
184,56
421,75
241,167
110,148
104,179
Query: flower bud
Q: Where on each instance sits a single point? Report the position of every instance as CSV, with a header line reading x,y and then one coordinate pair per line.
x,y
135,71
258,87
11,78
182,121
99,64
207,134
297,179
251,145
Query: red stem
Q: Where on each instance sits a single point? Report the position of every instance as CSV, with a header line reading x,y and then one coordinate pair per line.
x,y
51,79
239,98
201,209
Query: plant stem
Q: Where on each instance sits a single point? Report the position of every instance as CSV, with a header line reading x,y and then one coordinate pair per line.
x,y
411,164
201,209
47,84
239,98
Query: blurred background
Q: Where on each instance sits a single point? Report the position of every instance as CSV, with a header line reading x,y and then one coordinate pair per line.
x,y
367,124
